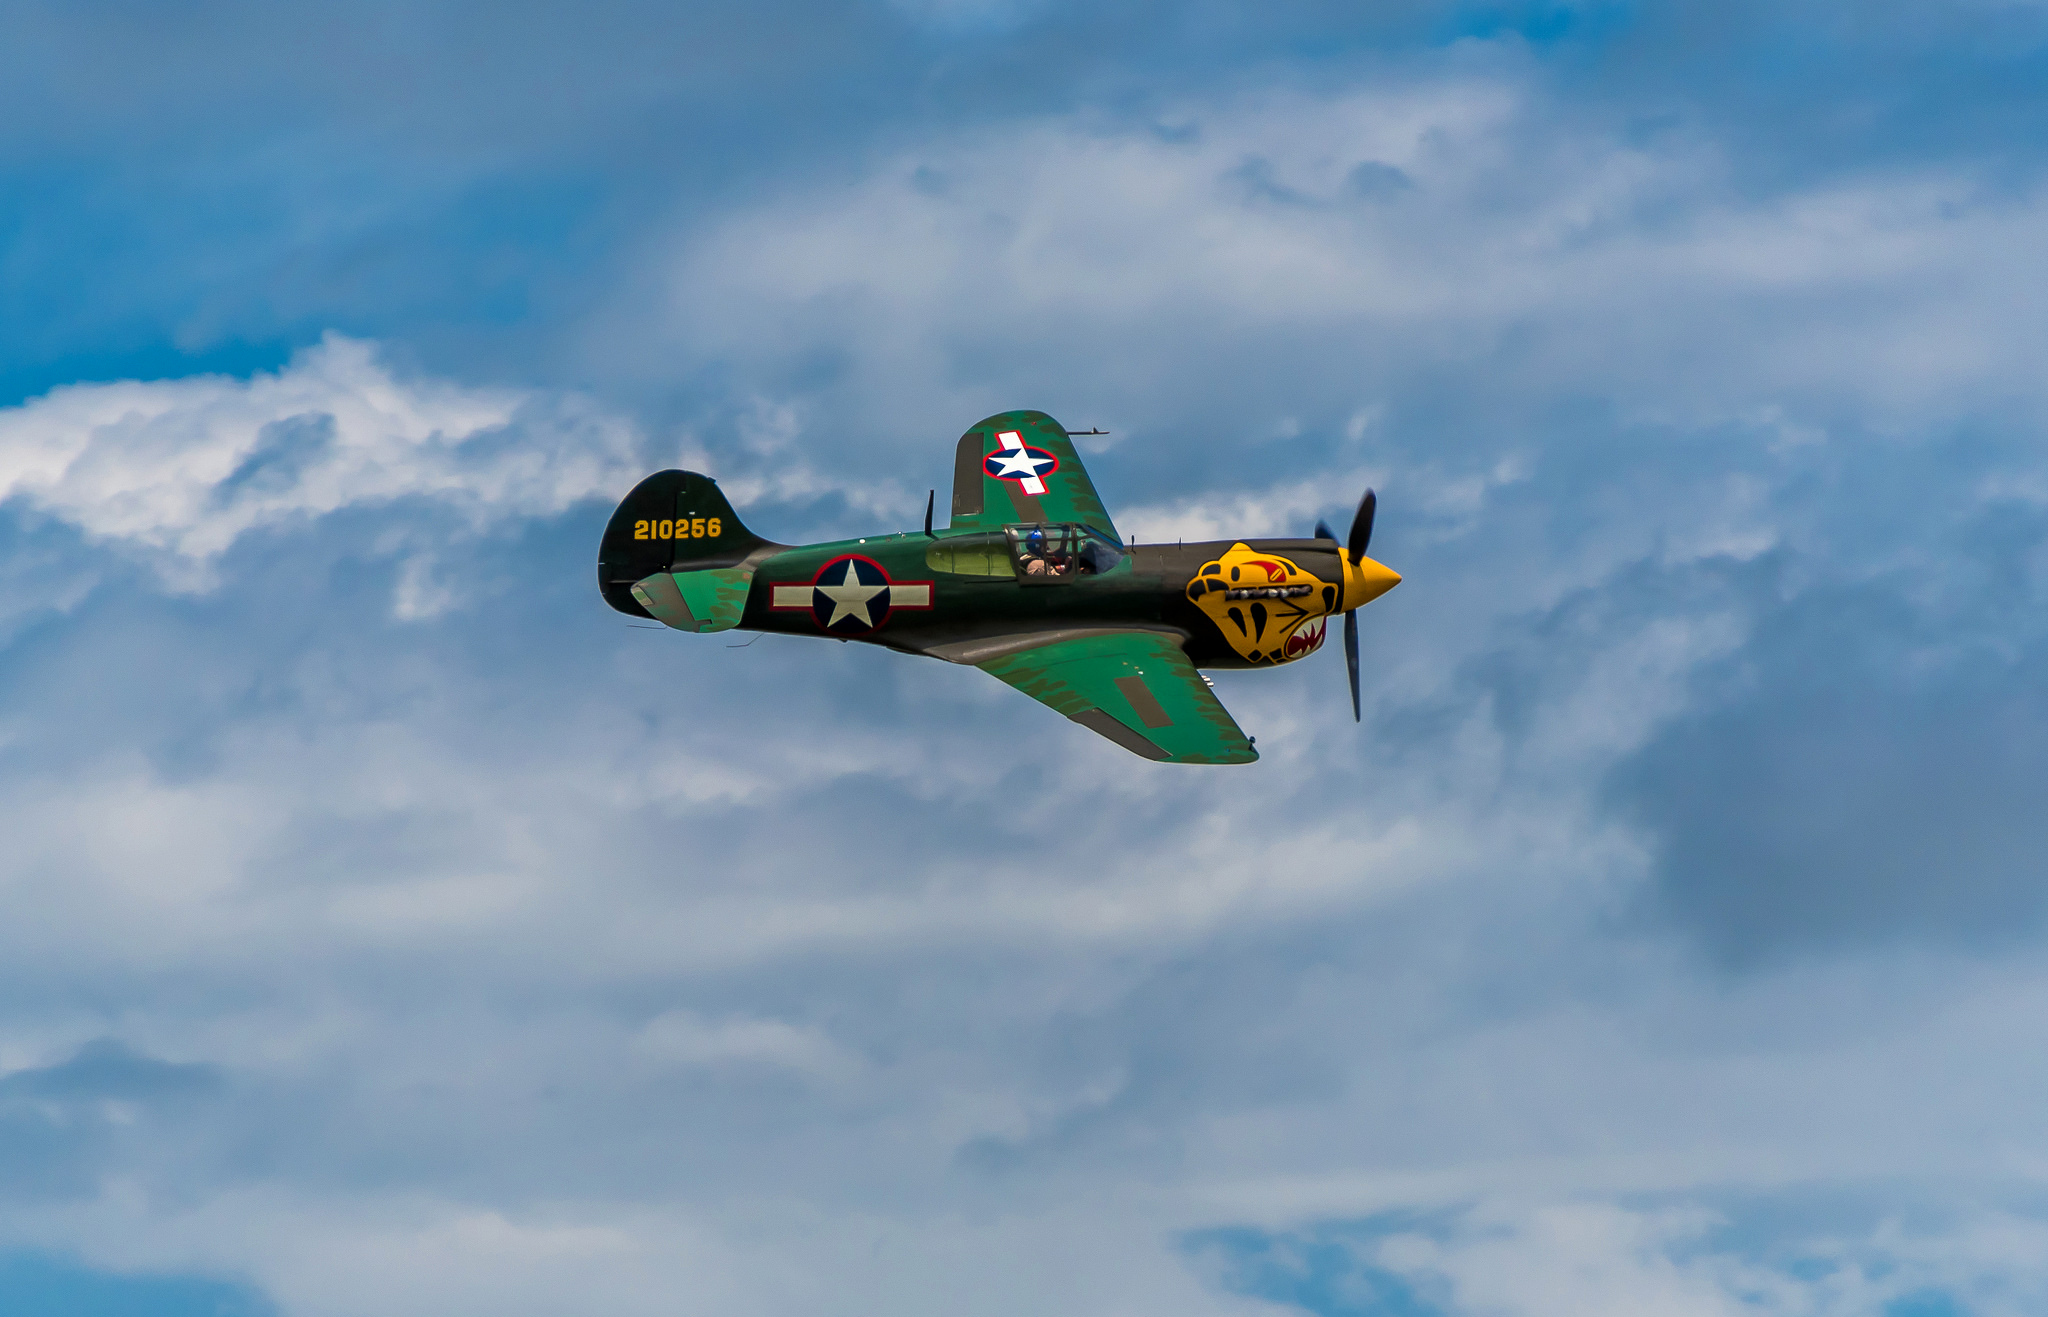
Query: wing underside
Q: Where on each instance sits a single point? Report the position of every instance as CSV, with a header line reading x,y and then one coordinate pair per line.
x,y
1137,688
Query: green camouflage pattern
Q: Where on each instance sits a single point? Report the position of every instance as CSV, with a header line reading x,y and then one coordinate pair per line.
x,y
1143,680
984,502
717,598
711,600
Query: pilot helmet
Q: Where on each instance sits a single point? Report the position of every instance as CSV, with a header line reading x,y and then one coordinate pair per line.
x,y
1035,540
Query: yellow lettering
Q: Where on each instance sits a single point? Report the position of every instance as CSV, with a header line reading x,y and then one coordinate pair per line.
x,y
665,530
639,530
712,528
697,527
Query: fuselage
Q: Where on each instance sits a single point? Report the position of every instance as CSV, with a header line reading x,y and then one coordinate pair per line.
x,y
1030,583
1239,603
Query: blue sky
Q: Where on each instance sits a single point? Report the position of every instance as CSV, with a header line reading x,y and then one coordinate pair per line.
x,y
391,928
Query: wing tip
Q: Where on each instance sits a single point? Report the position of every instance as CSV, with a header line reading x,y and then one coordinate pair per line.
x,y
1111,728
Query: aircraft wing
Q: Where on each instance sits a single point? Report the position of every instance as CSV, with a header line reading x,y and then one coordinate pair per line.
x,y
1018,467
1135,687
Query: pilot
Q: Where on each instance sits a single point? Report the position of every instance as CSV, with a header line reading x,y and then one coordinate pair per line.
x,y
1038,561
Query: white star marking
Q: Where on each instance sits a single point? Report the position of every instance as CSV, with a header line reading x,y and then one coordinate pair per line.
x,y
849,597
1016,464
1014,442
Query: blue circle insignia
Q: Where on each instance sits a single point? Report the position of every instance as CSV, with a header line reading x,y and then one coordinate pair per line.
x,y
850,597
1020,464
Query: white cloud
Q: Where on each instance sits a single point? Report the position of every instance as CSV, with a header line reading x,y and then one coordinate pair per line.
x,y
1588,1258
1533,256
524,962
754,1255
685,1037
178,470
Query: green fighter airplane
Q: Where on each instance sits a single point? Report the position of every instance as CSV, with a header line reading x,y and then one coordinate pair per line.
x,y
1030,583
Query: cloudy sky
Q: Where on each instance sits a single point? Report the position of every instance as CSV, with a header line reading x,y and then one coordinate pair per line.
x,y
387,927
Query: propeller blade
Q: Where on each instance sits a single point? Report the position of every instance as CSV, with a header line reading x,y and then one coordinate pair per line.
x,y
1351,658
1361,526
1323,532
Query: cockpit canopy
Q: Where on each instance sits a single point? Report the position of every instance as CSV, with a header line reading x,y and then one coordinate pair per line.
x,y
1034,553
1060,552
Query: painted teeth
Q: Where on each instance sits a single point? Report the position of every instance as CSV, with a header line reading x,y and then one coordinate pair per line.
x,y
1270,592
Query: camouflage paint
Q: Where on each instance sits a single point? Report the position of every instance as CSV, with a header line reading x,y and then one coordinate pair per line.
x,y
1117,651
717,597
1070,495
1101,673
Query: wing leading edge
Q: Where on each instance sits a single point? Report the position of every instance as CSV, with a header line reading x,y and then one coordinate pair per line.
x,y
1137,688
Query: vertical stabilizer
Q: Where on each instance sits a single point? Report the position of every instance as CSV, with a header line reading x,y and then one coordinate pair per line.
x,y
673,521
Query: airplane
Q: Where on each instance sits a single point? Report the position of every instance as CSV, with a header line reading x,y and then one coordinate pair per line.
x,y
1030,582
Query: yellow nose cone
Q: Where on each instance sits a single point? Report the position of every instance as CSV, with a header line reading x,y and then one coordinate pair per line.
x,y
1367,581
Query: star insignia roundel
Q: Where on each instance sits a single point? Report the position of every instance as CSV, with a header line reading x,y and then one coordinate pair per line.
x,y
1013,459
852,595
1033,464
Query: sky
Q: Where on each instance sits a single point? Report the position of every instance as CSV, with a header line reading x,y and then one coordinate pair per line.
x,y
388,927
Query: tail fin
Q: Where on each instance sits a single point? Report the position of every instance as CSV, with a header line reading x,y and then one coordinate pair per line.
x,y
672,521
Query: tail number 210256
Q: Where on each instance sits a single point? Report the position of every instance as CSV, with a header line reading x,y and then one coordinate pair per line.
x,y
682,528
